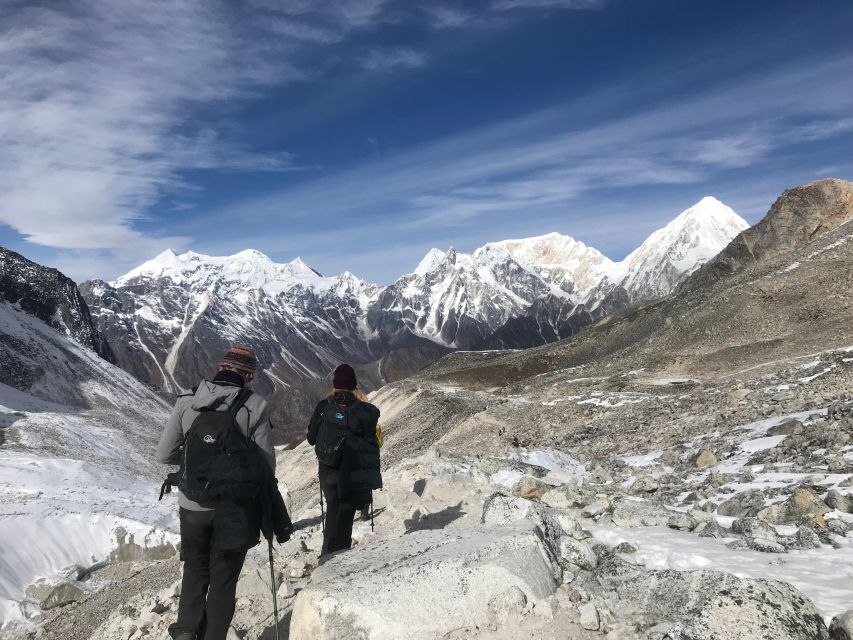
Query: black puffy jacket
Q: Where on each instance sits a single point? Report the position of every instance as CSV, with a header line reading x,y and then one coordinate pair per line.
x,y
360,465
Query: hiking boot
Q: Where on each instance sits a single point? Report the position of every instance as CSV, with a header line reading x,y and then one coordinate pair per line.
x,y
180,634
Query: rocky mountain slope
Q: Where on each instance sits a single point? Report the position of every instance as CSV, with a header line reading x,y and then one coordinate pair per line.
x,y
76,440
50,296
168,320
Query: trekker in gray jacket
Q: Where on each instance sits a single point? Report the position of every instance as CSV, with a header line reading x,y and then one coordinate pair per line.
x,y
210,577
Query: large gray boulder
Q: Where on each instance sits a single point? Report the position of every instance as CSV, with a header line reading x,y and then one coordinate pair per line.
x,y
500,510
743,505
711,605
640,513
842,626
426,584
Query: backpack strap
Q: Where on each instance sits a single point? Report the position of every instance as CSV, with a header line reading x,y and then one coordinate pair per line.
x,y
239,400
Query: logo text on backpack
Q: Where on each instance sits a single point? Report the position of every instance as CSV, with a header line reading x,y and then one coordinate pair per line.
x,y
339,415
209,439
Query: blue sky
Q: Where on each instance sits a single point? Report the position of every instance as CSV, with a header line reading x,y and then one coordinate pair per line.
x,y
360,133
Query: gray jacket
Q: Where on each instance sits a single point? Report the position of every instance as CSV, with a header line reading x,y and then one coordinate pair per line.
x,y
253,417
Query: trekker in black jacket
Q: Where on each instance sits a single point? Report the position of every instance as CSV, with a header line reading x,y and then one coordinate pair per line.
x,y
239,498
343,431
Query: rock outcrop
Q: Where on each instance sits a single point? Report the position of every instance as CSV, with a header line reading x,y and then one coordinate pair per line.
x,y
427,584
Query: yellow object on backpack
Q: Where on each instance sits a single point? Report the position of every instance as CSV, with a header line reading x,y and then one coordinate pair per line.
x,y
379,440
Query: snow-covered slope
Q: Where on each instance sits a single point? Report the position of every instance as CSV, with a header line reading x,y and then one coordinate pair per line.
x,y
76,457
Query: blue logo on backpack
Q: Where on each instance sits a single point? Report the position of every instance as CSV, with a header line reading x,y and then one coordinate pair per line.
x,y
339,415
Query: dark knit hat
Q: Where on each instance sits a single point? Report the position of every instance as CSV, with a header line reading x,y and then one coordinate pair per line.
x,y
345,378
240,357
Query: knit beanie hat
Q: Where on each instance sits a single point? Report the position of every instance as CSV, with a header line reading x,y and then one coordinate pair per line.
x,y
345,378
240,357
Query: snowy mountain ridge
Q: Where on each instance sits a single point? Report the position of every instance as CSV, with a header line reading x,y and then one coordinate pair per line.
x,y
168,320
249,269
685,243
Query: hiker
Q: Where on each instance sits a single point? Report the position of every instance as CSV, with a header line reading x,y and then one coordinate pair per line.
x,y
344,432
225,499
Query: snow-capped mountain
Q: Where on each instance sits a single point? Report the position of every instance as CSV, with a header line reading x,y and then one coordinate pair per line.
x,y
520,293
563,261
671,254
169,320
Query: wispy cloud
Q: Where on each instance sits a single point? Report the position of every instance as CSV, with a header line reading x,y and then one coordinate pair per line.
x,y
99,101
95,114
505,5
547,159
385,60
450,17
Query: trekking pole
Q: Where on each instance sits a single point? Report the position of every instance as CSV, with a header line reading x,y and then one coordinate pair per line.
x,y
371,511
322,512
274,590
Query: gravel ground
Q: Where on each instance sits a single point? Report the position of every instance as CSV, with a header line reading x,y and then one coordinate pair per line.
x,y
78,621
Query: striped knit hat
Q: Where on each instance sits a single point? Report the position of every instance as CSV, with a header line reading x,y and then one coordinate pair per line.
x,y
240,357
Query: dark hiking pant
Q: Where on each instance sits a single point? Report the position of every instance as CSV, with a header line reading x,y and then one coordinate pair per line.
x,y
209,583
339,517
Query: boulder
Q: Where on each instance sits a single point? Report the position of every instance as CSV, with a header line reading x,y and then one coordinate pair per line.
x,y
640,513
806,503
426,584
837,526
807,538
682,521
508,605
625,547
710,529
774,514
711,605
594,510
803,505
786,428
578,552
61,594
589,618
500,510
705,458
838,500
742,505
644,484
841,627
530,488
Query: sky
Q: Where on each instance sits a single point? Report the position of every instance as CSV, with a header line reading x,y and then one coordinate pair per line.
x,y
358,134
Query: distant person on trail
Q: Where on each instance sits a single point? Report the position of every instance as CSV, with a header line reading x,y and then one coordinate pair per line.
x,y
220,435
345,433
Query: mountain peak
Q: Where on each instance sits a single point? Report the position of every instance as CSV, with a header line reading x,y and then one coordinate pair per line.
x,y
251,255
692,238
430,261
549,249
299,267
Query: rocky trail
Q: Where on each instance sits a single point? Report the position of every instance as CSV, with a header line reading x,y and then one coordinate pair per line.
x,y
740,531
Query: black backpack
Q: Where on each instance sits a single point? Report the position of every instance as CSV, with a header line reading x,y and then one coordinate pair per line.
x,y
217,459
333,433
